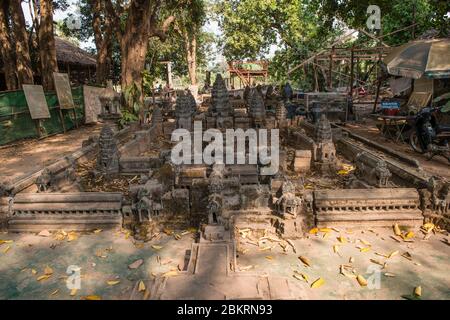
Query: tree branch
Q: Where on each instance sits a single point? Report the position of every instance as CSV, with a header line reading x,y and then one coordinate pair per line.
x,y
161,33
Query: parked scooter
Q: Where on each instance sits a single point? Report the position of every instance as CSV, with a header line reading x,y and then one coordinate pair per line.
x,y
430,136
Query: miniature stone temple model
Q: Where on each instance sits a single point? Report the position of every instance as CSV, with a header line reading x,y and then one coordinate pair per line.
x,y
110,106
184,111
281,113
108,156
157,120
325,151
288,205
220,110
257,109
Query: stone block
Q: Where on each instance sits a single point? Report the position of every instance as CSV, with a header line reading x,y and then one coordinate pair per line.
x,y
302,160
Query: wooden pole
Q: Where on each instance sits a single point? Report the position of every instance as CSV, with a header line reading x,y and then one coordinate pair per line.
x,y
330,71
352,66
316,80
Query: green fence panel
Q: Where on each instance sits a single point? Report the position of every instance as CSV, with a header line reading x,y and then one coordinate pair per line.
x,y
15,118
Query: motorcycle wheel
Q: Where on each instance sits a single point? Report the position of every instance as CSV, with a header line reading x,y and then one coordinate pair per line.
x,y
415,143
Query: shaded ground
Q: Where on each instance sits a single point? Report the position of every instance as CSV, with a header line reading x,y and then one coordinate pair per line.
x,y
102,257
106,256
29,156
438,166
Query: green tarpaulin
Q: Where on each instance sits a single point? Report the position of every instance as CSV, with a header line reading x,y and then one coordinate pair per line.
x,y
16,122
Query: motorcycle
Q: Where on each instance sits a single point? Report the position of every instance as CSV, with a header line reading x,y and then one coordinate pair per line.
x,y
429,135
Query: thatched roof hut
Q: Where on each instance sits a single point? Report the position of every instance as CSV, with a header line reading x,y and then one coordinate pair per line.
x,y
69,53
78,63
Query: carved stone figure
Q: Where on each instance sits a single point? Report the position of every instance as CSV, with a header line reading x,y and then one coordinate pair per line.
x,y
288,205
44,181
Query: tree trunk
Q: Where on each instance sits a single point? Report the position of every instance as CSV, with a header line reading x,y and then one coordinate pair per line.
x,y
135,43
6,50
23,60
102,42
190,44
47,49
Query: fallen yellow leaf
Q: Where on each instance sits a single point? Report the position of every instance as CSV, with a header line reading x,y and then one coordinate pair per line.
x,y
269,257
313,230
362,282
336,248
44,277
54,292
73,292
418,291
342,239
392,254
113,282
92,297
7,249
48,271
365,249
98,230
305,261
318,283
170,273
409,235
397,230
325,229
300,276
156,247
141,286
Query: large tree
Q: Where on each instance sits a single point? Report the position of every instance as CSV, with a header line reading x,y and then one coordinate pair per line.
x,y
23,60
47,47
188,24
101,25
142,21
6,47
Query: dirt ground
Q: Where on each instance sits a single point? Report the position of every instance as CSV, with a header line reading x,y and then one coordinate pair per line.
x,y
362,251
105,259
438,166
28,156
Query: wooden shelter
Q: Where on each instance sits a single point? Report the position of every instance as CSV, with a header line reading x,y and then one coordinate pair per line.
x,y
78,63
248,72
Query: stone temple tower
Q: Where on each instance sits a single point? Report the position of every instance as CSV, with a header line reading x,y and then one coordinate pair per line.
x,y
280,114
157,120
183,111
220,102
325,151
257,109
108,156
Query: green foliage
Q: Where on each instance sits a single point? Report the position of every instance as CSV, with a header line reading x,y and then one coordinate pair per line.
x,y
127,117
133,98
